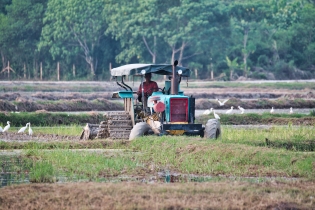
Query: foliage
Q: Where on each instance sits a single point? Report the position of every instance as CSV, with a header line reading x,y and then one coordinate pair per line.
x,y
42,171
88,38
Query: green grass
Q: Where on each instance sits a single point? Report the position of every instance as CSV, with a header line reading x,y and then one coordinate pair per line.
x,y
48,119
255,119
72,130
77,165
54,87
238,153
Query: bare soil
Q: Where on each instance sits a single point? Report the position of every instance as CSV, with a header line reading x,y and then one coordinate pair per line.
x,y
130,195
76,101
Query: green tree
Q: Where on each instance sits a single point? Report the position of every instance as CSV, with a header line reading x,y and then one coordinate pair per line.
x,y
74,27
232,65
21,29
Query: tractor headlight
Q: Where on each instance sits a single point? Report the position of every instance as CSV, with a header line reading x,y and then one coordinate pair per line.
x,y
143,72
180,72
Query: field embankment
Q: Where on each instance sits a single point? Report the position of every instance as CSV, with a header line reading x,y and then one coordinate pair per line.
x,y
96,96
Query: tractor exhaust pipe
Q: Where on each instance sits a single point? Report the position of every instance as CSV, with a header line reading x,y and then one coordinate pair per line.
x,y
174,81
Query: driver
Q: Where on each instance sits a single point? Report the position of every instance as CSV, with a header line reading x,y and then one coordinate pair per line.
x,y
148,87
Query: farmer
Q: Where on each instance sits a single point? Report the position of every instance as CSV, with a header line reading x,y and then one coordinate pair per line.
x,y
148,88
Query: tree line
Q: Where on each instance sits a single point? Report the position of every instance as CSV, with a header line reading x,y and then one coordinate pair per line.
x,y
216,39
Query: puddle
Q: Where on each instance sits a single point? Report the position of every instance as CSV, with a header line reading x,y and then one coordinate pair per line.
x,y
13,170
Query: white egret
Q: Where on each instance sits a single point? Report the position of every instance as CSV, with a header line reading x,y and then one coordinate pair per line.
x,y
208,111
272,110
30,131
222,103
6,128
216,116
230,110
23,128
291,110
242,109
1,130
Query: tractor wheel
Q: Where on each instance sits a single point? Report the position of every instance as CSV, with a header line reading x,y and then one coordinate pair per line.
x,y
212,129
138,130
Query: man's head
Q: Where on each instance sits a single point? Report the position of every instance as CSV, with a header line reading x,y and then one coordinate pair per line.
x,y
148,76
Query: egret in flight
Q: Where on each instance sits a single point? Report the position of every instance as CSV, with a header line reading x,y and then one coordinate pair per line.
x,y
242,109
216,116
230,110
222,103
30,131
272,110
23,128
6,128
208,111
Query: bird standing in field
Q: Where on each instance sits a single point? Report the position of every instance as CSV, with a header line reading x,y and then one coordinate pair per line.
x,y
23,128
30,131
216,116
6,128
242,109
222,103
291,110
230,110
208,111
272,110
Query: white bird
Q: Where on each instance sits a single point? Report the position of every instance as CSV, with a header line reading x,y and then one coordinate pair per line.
x,y
216,116
30,131
208,111
242,109
291,110
272,110
222,103
230,110
23,128
1,130
6,128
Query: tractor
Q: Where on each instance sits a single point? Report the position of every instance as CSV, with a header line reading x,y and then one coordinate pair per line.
x,y
166,112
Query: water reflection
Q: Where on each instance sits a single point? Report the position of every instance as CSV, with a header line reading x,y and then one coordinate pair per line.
x,y
14,170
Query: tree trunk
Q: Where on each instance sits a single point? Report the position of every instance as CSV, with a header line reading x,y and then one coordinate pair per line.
x,y
41,70
245,54
24,71
3,60
8,70
181,52
73,70
58,71
154,51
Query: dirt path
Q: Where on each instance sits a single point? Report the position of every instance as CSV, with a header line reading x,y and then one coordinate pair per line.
x,y
131,195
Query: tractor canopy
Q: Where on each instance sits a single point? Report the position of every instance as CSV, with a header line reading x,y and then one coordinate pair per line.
x,y
135,69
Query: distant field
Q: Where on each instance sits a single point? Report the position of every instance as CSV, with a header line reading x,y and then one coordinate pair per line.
x,y
86,86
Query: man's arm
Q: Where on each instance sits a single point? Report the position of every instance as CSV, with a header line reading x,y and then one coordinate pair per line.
x,y
139,90
155,87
